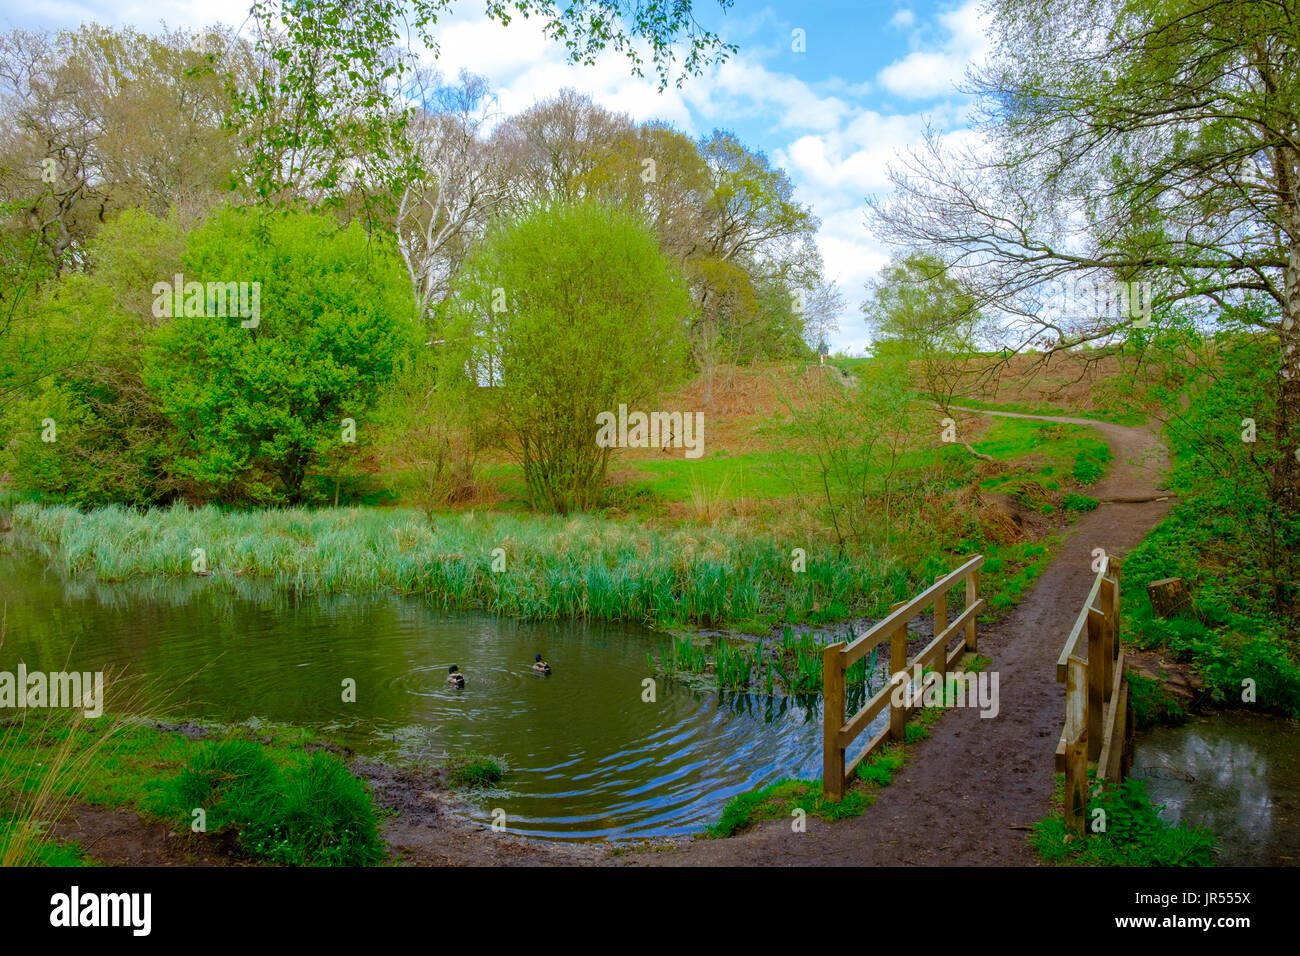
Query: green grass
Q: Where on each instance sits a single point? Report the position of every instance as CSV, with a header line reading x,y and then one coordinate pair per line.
x,y
1134,834
1152,704
781,799
280,803
556,567
476,772
309,812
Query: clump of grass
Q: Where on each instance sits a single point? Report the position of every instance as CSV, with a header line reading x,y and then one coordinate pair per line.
x,y
1134,834
1152,704
476,772
310,813
1075,502
880,768
781,799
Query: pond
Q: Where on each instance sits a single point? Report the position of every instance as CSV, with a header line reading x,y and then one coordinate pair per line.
x,y
1234,772
587,757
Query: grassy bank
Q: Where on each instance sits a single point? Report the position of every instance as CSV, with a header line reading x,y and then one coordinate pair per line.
x,y
274,797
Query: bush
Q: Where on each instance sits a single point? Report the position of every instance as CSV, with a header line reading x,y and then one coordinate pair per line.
x,y
312,813
1135,835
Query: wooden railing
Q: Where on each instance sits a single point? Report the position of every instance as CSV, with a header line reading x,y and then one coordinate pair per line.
x,y
838,733
1098,725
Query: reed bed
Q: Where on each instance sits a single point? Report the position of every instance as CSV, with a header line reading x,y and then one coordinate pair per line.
x,y
554,567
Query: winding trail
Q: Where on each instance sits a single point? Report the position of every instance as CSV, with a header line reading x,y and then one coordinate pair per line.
x,y
971,787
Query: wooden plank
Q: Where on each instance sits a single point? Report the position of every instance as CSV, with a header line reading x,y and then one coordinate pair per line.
x,y
1076,698
1113,744
972,595
872,746
1060,754
941,630
1076,786
1107,598
869,712
897,662
1072,640
940,643
832,720
1096,685
908,610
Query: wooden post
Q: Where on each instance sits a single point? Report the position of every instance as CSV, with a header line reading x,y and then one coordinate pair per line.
x,y
1108,597
897,662
832,721
941,625
1096,681
972,595
1114,567
1076,698
1076,786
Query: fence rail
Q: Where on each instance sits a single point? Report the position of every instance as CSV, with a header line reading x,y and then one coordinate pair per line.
x,y
839,733
1098,723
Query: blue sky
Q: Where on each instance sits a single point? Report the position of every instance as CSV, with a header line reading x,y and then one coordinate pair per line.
x,y
873,74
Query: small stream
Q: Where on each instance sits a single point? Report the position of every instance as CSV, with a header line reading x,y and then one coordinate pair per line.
x,y
1235,772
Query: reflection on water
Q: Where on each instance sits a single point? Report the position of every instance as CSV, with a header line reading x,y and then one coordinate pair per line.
x,y
1236,773
587,757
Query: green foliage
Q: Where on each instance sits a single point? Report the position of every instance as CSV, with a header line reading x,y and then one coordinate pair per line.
x,y
567,314
1135,835
110,436
311,813
257,409
476,772
780,799
1073,502
881,767
1152,704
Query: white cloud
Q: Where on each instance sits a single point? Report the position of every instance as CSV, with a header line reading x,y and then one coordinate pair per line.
x,y
903,19
927,73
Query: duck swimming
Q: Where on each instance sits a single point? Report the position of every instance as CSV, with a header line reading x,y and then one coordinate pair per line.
x,y
540,666
454,677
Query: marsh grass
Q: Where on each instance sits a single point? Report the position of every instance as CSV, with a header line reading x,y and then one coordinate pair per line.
x,y
555,567
71,748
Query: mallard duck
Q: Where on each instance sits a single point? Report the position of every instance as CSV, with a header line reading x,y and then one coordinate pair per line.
x,y
454,677
540,666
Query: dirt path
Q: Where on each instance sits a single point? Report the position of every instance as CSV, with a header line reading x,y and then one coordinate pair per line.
x,y
974,780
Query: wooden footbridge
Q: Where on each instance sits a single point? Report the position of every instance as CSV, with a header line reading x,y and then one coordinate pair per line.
x,y
1098,719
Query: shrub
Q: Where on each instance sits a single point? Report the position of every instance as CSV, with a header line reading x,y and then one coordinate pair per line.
x,y
312,813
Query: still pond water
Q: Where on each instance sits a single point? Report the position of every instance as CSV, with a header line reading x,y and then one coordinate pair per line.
x,y
587,758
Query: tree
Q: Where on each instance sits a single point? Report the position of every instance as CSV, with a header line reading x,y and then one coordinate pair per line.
x,y
857,436
258,398
444,209
85,429
96,120
558,317
1133,140
918,306
323,114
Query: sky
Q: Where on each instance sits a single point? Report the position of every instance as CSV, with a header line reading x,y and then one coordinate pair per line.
x,y
870,77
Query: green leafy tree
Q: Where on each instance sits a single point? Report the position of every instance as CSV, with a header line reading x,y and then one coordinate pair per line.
x,y
1132,140
257,408
922,310
84,427
558,317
